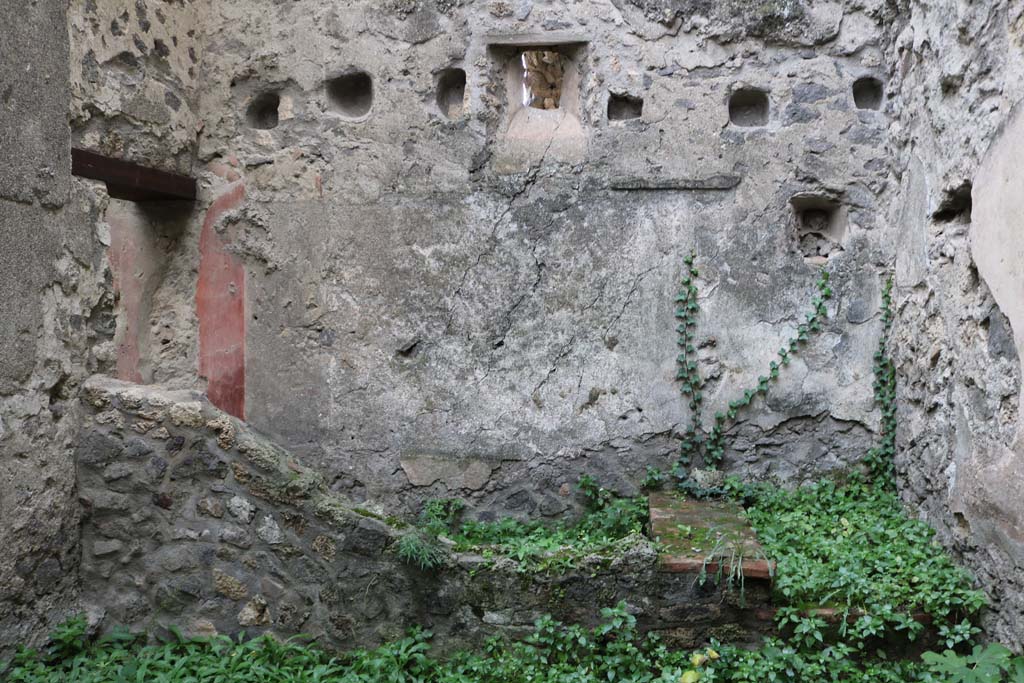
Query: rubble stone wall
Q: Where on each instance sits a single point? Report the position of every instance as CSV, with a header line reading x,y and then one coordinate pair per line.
x,y
423,286
193,519
56,322
956,84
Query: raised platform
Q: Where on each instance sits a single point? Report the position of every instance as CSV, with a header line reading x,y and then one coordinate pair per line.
x,y
709,536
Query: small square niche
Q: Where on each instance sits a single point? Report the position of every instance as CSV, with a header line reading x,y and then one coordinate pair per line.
x,y
820,227
351,94
867,93
748,107
262,112
541,78
623,107
451,92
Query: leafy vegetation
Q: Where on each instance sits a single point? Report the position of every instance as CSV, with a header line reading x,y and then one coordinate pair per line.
x,y
709,446
849,548
853,548
991,664
613,651
421,544
609,526
880,458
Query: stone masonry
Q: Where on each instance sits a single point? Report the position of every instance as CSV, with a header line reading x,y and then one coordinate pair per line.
x,y
192,519
419,285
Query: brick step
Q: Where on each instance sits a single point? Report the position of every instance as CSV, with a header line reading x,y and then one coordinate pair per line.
x,y
706,535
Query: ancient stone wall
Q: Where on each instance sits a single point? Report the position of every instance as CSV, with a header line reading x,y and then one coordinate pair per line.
x,y
134,66
421,278
426,286
192,519
956,78
56,322
134,96
72,258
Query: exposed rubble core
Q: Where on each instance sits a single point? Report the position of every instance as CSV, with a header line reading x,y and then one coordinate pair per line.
x,y
435,252
193,519
956,330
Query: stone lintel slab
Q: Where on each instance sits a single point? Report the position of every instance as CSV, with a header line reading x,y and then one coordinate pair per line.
x,y
536,39
131,181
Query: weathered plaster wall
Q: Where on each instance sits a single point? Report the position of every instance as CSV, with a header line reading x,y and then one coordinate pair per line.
x,y
957,75
56,323
81,274
423,303
431,303
134,68
134,65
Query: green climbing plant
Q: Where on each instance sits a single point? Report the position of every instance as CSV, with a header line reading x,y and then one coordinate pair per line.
x,y
709,446
879,459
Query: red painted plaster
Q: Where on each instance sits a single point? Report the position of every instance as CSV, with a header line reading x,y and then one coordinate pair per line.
x,y
125,256
220,307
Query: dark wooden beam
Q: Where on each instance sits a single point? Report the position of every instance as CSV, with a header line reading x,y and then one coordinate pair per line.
x,y
132,182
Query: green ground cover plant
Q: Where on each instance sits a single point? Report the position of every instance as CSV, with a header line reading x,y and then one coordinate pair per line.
x,y
848,546
609,525
852,547
554,653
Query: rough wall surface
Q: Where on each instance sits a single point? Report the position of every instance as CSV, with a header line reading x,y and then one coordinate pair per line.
x,y
193,519
957,75
71,258
439,291
491,293
134,66
56,322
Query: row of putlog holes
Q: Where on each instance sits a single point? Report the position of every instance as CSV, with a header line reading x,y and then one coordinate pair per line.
x,y
351,95
749,107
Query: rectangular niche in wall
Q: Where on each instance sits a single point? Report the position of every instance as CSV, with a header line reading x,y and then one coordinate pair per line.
x,y
624,107
542,119
820,226
451,92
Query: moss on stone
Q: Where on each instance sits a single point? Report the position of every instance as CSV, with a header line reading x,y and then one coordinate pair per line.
x,y
396,522
332,510
303,484
261,455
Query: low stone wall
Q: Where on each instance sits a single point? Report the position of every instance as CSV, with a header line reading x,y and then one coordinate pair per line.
x,y
192,519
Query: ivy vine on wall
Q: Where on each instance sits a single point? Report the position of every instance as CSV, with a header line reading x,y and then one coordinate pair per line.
x,y
879,459
708,446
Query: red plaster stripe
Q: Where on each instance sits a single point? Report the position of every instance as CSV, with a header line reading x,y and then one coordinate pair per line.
x,y
220,307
